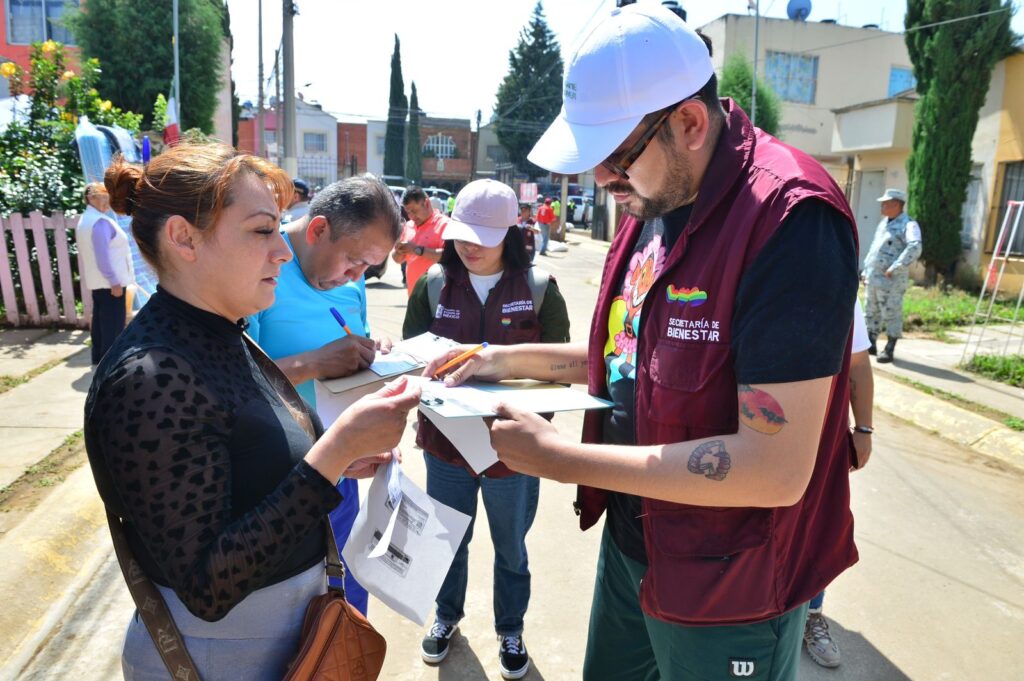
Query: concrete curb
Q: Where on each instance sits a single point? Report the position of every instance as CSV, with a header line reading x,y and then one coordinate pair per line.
x,y
48,558
948,421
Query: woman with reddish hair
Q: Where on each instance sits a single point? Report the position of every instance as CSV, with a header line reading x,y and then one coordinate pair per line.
x,y
221,480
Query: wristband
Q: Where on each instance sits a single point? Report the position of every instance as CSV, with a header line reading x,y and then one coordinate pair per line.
x,y
863,429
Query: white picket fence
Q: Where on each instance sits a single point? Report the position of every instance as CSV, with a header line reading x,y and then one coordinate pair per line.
x,y
59,291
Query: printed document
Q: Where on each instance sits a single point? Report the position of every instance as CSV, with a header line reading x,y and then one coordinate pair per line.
x,y
402,543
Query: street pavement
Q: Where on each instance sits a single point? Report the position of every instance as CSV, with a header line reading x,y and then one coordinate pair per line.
x,y
35,417
936,594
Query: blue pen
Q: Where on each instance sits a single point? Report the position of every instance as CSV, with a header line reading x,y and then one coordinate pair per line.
x,y
341,321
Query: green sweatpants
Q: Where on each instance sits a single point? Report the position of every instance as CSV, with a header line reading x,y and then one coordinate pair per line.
x,y
624,644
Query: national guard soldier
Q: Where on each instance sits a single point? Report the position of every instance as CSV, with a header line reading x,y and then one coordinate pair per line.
x,y
896,246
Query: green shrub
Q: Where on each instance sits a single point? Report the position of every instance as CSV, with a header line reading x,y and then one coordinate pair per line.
x,y
932,309
39,169
1004,368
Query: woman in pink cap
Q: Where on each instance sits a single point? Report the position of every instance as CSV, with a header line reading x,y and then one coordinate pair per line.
x,y
484,289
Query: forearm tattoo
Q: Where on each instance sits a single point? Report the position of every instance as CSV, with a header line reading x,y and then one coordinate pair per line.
x,y
711,460
760,411
574,364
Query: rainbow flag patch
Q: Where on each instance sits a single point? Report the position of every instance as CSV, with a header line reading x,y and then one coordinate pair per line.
x,y
694,296
506,321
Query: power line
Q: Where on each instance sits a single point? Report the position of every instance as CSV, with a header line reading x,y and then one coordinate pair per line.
x,y
887,34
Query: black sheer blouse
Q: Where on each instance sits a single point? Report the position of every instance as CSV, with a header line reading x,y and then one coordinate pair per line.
x,y
195,450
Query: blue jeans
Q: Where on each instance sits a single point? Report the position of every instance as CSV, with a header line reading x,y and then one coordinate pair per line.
x,y
342,518
511,505
545,237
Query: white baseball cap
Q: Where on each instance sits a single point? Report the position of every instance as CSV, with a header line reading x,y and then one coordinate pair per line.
x,y
892,194
484,210
638,60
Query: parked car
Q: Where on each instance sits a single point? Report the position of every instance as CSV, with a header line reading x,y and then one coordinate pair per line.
x,y
583,210
377,271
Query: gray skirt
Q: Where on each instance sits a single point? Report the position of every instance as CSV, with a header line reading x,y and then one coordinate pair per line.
x,y
255,641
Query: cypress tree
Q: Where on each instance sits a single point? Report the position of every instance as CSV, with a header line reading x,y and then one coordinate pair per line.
x,y
530,96
953,66
394,137
736,80
413,150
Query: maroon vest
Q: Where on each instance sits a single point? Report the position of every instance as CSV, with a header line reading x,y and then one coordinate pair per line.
x,y
710,566
507,318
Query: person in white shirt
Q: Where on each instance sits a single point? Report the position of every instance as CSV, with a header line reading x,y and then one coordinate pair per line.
x,y
105,266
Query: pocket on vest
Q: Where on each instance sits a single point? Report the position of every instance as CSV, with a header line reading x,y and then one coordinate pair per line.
x,y
686,398
710,565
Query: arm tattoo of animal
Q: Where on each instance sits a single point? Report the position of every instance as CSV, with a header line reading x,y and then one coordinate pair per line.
x,y
711,460
760,411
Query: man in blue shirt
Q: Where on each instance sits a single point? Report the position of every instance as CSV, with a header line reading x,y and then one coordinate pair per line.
x,y
351,225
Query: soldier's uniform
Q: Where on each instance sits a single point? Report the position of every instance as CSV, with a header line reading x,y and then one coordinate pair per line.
x,y
896,246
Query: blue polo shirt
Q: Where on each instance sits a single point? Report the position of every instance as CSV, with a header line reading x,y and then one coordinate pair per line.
x,y
300,318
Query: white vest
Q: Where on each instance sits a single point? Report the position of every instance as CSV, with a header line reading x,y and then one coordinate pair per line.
x,y
118,253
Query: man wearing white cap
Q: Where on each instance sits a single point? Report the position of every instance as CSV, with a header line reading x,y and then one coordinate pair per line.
x,y
724,461
896,246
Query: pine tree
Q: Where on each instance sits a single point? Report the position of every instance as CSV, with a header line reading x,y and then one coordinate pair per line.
x,y
735,81
394,137
133,41
530,96
953,65
413,150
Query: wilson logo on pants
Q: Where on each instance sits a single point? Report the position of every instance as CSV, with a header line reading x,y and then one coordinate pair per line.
x,y
740,668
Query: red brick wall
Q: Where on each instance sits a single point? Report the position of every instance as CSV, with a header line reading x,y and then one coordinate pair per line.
x,y
247,135
457,170
356,146
19,54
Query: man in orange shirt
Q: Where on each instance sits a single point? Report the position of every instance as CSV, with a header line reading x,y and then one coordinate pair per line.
x,y
422,240
545,216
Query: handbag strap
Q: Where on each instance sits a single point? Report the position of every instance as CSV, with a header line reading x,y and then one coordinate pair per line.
x,y
288,394
152,608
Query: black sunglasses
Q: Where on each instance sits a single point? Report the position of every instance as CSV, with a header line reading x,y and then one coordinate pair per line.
x,y
619,166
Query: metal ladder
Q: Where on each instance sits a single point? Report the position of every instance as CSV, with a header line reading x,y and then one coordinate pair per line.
x,y
985,311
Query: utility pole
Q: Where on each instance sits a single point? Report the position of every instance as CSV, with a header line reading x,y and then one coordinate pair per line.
x,y
476,150
753,82
291,165
278,111
177,70
261,147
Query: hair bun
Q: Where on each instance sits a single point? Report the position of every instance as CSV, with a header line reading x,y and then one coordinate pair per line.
x,y
122,182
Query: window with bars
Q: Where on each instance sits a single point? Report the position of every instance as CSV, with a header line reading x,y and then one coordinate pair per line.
x,y
794,77
440,146
269,137
1013,190
314,142
30,21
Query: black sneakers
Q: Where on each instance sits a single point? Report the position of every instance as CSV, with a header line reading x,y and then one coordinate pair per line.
x,y
513,659
437,641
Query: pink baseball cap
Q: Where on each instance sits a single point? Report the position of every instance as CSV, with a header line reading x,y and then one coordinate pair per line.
x,y
484,211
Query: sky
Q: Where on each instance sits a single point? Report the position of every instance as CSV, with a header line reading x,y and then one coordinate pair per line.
x,y
455,50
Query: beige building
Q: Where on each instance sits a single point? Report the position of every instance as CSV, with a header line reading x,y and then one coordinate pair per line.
x,y
877,135
815,67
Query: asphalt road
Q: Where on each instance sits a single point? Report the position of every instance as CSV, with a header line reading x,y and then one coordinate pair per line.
x,y
937,593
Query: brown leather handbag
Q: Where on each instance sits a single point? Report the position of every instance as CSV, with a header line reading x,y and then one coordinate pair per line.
x,y
337,642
